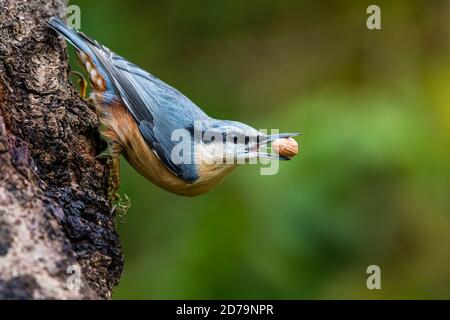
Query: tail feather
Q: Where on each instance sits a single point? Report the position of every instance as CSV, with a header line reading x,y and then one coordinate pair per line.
x,y
77,39
91,49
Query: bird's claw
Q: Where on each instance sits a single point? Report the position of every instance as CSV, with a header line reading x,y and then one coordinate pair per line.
x,y
81,82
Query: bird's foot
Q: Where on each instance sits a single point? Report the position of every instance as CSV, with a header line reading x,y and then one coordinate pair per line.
x,y
112,151
82,83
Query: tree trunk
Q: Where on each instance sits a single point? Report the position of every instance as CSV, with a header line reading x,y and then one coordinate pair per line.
x,y
56,217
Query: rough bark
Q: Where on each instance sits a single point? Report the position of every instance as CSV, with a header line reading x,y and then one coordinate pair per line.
x,y
54,206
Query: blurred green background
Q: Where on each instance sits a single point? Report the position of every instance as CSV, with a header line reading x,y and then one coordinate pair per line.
x,y
370,185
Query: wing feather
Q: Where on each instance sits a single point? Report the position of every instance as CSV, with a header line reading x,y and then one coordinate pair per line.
x,y
157,108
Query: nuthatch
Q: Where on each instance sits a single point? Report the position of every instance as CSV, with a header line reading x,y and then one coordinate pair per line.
x,y
141,113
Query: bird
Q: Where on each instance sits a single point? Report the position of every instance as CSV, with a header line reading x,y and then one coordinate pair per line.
x,y
141,114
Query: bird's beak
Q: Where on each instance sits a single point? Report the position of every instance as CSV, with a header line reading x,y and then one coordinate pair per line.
x,y
261,150
273,137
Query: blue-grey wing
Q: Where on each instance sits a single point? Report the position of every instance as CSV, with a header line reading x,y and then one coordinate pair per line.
x,y
158,109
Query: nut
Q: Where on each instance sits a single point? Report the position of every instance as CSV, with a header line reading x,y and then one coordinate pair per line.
x,y
286,147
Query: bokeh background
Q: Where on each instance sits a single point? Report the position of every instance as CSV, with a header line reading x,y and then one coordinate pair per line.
x,y
371,184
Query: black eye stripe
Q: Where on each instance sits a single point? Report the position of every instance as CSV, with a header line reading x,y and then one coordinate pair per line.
x,y
229,137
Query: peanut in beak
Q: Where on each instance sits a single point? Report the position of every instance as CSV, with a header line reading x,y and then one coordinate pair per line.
x,y
286,147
